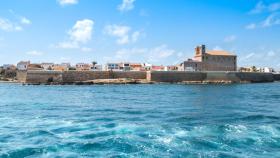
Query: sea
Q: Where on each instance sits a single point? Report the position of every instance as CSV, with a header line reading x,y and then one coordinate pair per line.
x,y
127,121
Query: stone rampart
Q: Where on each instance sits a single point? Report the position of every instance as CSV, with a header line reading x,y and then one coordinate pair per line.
x,y
176,76
255,76
128,74
76,76
37,77
276,77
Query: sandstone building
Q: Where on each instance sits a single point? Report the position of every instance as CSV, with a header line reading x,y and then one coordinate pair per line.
x,y
215,60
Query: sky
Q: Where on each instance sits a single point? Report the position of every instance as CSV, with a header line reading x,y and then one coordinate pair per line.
x,y
162,32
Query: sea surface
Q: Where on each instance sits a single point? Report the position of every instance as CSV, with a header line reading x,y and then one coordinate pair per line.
x,y
164,120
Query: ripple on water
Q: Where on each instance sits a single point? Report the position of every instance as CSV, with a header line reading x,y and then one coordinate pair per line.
x,y
140,121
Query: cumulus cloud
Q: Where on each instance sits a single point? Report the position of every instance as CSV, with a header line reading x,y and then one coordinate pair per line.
x,y
67,2
230,38
7,25
126,5
34,53
123,33
80,33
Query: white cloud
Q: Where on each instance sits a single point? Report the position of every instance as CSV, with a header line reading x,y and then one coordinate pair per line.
x,y
258,8
248,56
67,2
122,33
34,53
251,26
230,38
80,33
160,53
126,5
135,36
86,49
126,54
25,21
156,55
180,54
261,7
217,48
273,19
68,45
7,25
271,54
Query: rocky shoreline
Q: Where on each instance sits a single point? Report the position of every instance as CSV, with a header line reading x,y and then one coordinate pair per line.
x,y
124,81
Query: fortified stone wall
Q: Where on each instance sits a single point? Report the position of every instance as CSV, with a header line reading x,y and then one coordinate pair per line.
x,y
43,77
128,74
165,76
276,77
21,76
222,76
255,77
74,76
176,76
156,76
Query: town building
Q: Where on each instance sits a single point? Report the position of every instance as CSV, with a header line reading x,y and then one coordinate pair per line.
x,y
171,68
35,67
112,67
125,66
96,68
61,67
47,66
147,66
23,65
137,67
83,67
215,60
9,67
158,68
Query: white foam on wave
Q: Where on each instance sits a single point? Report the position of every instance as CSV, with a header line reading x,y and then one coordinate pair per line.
x,y
237,129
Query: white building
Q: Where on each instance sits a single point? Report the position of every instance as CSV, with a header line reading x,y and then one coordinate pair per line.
x,y
265,70
47,66
23,65
113,67
96,68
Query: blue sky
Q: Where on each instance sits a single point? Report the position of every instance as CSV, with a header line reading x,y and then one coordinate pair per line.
x,y
154,31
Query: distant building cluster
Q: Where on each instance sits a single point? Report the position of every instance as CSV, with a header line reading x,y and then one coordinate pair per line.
x,y
122,66
203,60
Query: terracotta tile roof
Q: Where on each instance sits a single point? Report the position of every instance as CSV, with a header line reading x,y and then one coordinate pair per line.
x,y
219,52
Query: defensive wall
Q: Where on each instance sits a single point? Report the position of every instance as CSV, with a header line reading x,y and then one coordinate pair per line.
x,y
276,77
37,77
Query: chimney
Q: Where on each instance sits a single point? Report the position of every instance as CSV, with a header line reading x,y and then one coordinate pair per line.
x,y
197,50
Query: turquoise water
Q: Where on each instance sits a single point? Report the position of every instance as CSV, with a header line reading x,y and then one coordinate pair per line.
x,y
140,121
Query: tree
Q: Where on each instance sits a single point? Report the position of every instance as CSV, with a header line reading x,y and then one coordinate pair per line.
x,y
94,63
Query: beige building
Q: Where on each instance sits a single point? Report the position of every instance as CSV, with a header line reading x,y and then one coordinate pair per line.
x,y
214,60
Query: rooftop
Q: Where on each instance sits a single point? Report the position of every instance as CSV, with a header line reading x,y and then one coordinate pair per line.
x,y
219,52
